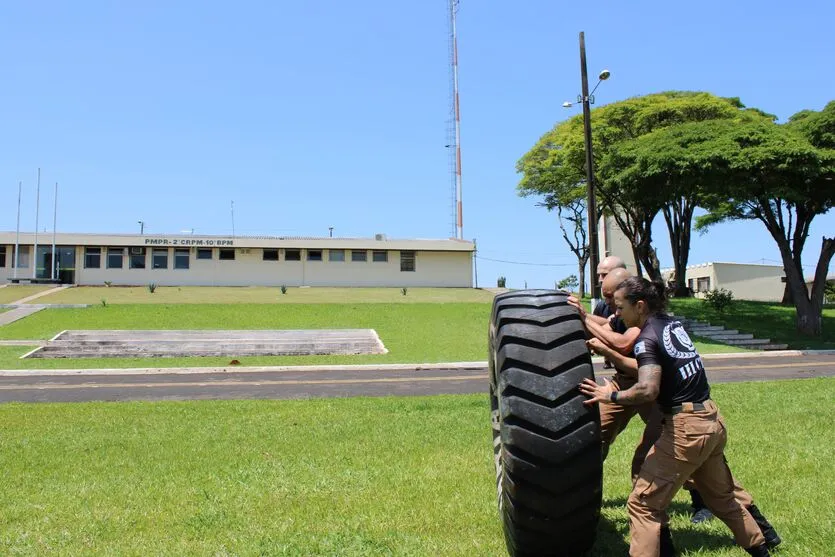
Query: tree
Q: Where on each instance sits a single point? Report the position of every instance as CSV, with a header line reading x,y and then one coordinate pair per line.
x,y
544,175
570,283
672,167
556,164
776,175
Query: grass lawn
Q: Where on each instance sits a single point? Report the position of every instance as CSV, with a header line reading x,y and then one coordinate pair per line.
x,y
15,292
765,320
413,333
262,295
362,476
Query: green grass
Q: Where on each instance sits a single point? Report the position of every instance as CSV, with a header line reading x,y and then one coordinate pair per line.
x,y
413,333
15,292
362,476
263,295
763,319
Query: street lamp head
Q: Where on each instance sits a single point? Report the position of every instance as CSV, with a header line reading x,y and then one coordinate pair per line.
x,y
604,75
567,104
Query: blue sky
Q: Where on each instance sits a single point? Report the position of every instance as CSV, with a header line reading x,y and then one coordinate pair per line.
x,y
317,114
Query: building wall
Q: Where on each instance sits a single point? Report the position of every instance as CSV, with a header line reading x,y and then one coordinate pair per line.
x,y
611,241
751,282
432,269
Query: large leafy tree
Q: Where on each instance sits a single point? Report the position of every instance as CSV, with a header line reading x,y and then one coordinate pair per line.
x,y
672,167
555,166
782,176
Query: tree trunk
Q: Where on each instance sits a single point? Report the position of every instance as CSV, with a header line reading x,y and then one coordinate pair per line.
x,y
679,218
582,275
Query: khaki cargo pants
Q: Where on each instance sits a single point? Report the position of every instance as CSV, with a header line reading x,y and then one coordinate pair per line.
x,y
691,445
614,418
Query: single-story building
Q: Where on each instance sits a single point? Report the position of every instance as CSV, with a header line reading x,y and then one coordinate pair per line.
x,y
747,281
191,260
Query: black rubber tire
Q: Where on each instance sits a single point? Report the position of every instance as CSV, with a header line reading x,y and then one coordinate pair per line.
x,y
546,442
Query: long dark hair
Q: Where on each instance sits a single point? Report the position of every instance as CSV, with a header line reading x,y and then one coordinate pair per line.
x,y
638,288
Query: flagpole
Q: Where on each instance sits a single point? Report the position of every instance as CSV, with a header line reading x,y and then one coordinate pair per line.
x,y
17,233
54,221
37,209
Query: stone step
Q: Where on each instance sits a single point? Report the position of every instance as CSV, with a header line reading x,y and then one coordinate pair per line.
x,y
705,329
748,342
773,346
732,335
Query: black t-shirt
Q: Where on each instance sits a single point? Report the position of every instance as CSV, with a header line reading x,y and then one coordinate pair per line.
x,y
602,309
617,324
664,342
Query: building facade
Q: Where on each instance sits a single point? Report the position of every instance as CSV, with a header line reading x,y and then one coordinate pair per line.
x,y
747,281
177,260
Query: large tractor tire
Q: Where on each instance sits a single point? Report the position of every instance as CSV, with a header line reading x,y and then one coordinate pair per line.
x,y
546,442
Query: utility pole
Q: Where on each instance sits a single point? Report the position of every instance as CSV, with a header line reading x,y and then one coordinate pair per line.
x,y
590,201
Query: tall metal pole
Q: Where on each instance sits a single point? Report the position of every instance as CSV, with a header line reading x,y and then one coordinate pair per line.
x,y
37,210
232,208
459,219
17,233
592,207
54,223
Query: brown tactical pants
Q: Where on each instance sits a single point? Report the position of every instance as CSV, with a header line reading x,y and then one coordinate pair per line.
x,y
614,418
691,445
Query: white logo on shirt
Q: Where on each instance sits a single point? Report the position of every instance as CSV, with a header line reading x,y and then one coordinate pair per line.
x,y
640,347
675,329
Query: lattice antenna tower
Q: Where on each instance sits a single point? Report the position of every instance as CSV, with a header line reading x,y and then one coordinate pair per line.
x,y
454,128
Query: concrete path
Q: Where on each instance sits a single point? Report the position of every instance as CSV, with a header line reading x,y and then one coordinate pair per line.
x,y
28,299
302,382
18,313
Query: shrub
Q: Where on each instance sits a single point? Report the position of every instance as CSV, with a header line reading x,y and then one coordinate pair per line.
x,y
283,289
107,283
501,282
403,291
152,287
103,303
720,299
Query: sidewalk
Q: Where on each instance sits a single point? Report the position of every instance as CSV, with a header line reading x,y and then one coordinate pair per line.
x,y
349,367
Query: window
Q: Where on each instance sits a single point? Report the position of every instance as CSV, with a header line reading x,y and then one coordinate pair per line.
x,y
92,258
703,284
314,255
292,255
270,255
2,256
204,253
336,255
407,261
22,257
359,255
690,284
226,254
159,258
380,256
137,258
181,258
115,258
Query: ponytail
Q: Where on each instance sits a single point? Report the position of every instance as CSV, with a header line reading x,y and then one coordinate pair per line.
x,y
653,293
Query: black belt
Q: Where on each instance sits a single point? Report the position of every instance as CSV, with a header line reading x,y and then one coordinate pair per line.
x,y
686,407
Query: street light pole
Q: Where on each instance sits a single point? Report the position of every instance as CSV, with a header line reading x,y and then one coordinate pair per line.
x,y
590,201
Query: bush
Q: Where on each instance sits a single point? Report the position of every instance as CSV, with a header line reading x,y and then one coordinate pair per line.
x,y
107,283
283,289
720,299
403,291
152,287
568,283
501,282
103,303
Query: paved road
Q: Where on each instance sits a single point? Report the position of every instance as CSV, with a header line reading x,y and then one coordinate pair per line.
x,y
314,383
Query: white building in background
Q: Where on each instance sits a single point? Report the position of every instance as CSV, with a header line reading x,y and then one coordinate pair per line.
x,y
747,281
177,260
612,241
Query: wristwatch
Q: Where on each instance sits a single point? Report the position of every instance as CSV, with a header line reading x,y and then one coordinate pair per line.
x,y
613,396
